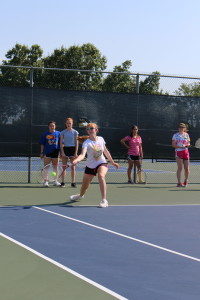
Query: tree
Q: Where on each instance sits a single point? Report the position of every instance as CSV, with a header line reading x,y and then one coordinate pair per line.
x,y
192,90
20,55
85,57
120,80
151,84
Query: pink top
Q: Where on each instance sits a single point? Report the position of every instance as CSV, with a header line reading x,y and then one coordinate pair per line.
x,y
134,144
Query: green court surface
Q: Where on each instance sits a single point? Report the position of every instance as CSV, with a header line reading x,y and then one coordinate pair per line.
x,y
117,194
25,276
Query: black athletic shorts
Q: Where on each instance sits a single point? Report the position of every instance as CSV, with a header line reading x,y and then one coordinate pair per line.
x,y
53,154
133,157
93,172
69,151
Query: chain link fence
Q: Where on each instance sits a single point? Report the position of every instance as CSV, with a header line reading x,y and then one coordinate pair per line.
x,y
30,97
23,170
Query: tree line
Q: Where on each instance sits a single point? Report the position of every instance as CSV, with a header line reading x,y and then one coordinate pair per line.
x,y
85,57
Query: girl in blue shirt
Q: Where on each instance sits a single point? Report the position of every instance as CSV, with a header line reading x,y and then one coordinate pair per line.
x,y
50,148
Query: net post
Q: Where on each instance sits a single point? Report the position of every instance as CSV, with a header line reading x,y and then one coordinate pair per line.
x,y
134,173
29,169
30,137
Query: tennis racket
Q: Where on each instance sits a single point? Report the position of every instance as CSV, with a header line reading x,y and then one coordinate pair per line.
x,y
196,145
50,173
141,177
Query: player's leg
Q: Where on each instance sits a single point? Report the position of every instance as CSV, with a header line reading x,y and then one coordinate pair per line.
x,y
73,172
102,171
138,165
63,175
179,162
55,161
87,178
47,161
129,170
139,169
186,171
55,164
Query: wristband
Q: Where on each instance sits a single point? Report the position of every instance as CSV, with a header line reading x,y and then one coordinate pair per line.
x,y
41,152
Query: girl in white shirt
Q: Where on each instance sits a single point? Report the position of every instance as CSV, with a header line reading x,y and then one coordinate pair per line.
x,y
96,163
181,141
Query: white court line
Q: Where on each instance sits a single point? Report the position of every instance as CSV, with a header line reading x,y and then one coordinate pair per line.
x,y
122,235
64,268
134,205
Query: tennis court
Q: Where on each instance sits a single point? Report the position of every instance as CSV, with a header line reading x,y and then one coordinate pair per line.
x,y
145,245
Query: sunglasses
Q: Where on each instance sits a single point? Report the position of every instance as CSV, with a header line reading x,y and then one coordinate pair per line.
x,y
91,128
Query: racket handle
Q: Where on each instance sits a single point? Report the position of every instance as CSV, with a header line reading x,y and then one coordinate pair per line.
x,y
69,164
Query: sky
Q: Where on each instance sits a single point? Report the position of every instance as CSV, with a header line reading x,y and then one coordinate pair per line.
x,y
155,35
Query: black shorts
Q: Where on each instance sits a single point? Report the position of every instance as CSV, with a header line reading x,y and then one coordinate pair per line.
x,y
93,172
69,151
53,154
133,157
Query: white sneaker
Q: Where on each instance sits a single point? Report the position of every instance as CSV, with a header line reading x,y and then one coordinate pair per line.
x,y
56,183
45,184
76,197
103,203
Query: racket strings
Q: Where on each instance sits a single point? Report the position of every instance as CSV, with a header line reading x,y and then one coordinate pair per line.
x,y
51,172
197,143
141,177
45,172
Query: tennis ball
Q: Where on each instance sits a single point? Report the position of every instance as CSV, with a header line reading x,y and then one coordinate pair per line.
x,y
53,173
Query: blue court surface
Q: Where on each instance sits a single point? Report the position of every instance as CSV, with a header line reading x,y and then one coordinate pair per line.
x,y
129,252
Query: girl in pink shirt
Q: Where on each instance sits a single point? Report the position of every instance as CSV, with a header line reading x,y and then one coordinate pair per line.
x,y
133,143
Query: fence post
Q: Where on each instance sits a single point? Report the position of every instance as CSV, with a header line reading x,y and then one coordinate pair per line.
x,y
31,116
138,93
137,84
31,78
